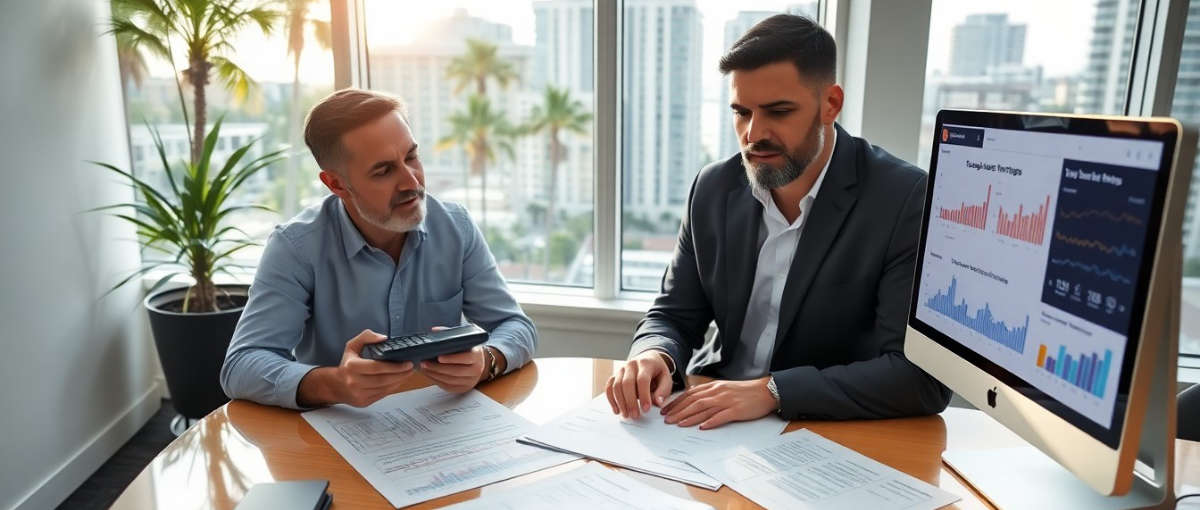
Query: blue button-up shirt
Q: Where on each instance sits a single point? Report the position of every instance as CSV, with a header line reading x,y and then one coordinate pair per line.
x,y
319,284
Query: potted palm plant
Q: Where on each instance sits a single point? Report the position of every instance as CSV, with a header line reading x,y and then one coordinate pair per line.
x,y
188,218
189,223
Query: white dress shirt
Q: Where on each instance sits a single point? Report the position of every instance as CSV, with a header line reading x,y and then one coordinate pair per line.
x,y
779,242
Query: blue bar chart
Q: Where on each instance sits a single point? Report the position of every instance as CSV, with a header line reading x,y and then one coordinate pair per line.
x,y
983,322
1088,372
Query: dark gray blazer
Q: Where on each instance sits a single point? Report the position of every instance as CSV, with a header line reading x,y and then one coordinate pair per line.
x,y
839,349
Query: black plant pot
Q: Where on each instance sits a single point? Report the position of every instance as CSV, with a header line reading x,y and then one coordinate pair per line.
x,y
191,347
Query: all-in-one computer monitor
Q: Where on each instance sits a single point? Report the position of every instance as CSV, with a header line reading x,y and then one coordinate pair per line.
x,y
1049,253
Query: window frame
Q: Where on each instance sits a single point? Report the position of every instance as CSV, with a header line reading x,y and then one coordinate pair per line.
x,y
866,50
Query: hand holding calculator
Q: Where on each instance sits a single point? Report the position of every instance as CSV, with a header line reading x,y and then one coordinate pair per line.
x,y
417,347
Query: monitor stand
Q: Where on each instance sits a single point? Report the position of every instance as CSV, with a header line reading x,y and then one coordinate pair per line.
x,y
1018,478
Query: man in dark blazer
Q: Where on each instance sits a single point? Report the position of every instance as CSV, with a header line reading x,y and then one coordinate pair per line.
x,y
801,248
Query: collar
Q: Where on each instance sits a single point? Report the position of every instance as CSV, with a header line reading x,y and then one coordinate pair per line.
x,y
764,196
352,239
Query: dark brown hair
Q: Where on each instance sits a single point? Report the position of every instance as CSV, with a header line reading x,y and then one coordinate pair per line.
x,y
797,39
339,113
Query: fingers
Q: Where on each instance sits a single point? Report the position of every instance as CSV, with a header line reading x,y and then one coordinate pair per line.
x,y
718,419
362,391
608,391
449,369
462,358
643,389
662,388
701,416
686,398
359,366
629,405
452,383
689,410
618,397
366,337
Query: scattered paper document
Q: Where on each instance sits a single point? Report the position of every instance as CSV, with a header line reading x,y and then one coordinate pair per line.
x,y
804,470
590,486
647,444
427,443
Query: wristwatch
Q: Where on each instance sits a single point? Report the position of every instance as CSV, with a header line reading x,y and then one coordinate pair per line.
x,y
774,389
492,368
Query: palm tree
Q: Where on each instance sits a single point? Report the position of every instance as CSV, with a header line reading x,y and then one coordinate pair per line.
x,y
207,29
298,21
557,113
480,130
131,61
479,63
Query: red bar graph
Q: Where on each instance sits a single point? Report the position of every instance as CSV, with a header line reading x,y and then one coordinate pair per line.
x,y
969,215
1030,228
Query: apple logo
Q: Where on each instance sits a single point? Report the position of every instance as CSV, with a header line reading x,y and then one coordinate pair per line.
x,y
991,397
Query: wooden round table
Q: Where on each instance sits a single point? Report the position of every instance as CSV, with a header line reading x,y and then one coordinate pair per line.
x,y
214,463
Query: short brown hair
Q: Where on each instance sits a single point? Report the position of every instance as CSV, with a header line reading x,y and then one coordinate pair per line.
x,y
339,113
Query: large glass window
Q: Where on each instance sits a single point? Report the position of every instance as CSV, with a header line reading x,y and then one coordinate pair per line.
x,y
1027,55
671,50
1186,108
500,98
286,71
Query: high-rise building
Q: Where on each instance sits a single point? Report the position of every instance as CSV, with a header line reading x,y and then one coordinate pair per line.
x,y
563,52
660,146
983,41
1102,88
1106,76
563,58
417,72
734,29
1186,107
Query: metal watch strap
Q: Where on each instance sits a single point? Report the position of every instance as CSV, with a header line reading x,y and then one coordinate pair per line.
x,y
774,389
490,360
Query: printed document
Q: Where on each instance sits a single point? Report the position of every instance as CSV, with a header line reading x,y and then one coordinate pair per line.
x,y
804,470
647,444
427,443
590,486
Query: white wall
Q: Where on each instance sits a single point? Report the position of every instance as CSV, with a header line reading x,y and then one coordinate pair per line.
x,y
76,370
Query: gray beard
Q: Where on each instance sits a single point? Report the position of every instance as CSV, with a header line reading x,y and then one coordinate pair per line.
x,y
389,223
764,177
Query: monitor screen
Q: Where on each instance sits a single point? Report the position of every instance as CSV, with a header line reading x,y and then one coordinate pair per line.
x,y
1035,254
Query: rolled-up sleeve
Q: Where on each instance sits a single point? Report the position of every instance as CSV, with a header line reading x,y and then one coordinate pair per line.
x,y
259,364
488,302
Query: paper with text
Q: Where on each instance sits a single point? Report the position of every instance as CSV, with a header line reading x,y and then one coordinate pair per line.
x,y
590,486
647,444
804,470
427,443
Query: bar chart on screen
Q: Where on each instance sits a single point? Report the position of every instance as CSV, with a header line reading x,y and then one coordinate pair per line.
x,y
950,304
1029,227
969,215
1087,371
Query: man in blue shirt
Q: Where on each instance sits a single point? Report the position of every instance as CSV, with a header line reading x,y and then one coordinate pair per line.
x,y
377,258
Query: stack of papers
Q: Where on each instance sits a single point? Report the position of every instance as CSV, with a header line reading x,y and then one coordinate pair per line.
x,y
796,470
804,470
428,443
591,486
647,444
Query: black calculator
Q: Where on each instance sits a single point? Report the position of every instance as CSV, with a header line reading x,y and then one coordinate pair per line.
x,y
423,346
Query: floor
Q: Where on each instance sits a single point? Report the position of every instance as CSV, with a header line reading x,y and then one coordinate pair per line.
x,y
103,487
